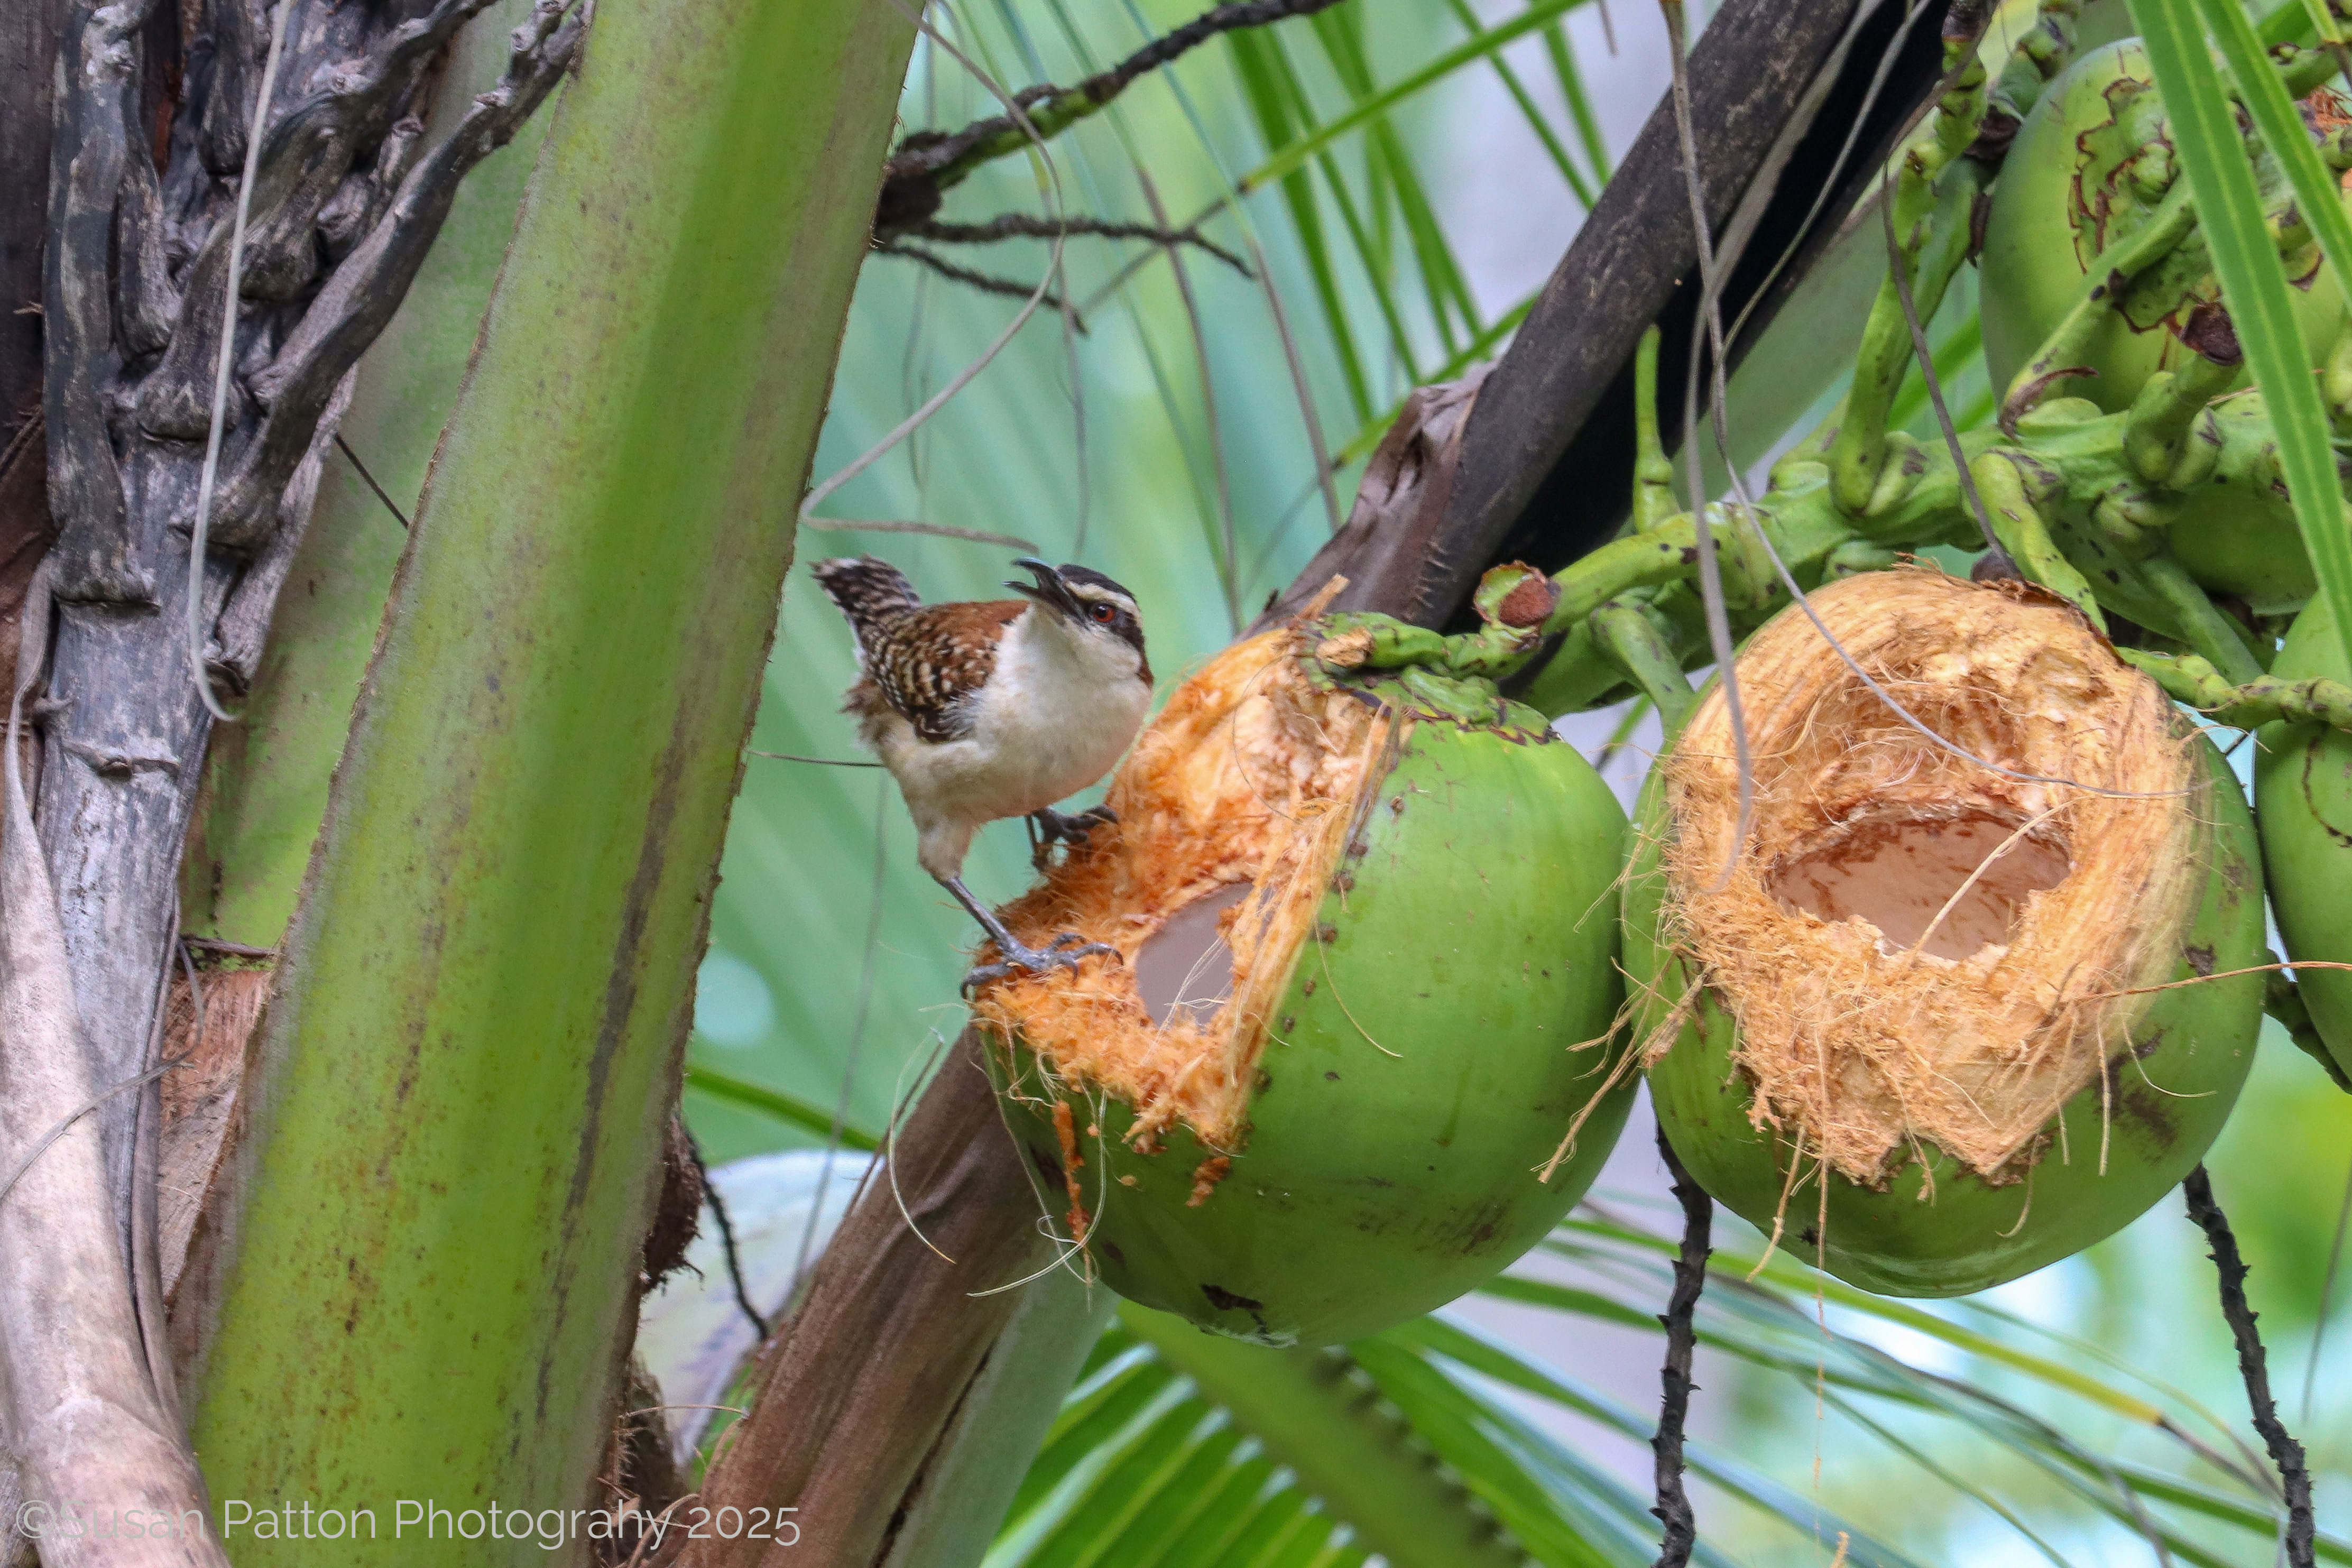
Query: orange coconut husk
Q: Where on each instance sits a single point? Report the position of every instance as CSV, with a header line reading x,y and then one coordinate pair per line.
x,y
1919,948
1250,776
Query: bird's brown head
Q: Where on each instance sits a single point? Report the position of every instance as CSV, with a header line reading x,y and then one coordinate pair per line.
x,y
1092,604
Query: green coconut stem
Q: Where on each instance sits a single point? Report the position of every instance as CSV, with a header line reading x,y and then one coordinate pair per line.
x,y
1577,676
2295,1476
2062,465
1668,553
2108,279
1930,260
2221,639
2304,71
1319,1414
2024,485
2061,353
2336,384
2331,37
2283,1001
1856,556
1654,472
2045,50
2248,705
1513,603
1468,699
1631,637
1804,527
1931,210
2161,417
1366,644
2019,525
1368,640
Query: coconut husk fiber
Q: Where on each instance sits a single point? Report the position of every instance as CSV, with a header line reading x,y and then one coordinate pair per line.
x,y
1235,804
1919,948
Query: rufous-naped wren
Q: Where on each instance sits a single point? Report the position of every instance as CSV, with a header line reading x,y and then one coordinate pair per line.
x,y
994,709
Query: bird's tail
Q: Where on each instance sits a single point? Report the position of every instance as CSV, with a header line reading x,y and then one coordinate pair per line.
x,y
867,590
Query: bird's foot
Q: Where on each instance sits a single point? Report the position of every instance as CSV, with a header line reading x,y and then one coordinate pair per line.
x,y
1048,826
1063,952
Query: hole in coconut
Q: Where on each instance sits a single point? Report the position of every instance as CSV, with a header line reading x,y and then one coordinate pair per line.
x,y
1897,873
1238,802
1186,966
1861,832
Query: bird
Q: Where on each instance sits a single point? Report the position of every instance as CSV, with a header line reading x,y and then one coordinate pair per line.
x,y
988,710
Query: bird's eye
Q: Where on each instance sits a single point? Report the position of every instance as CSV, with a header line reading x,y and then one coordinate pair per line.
x,y
1103,614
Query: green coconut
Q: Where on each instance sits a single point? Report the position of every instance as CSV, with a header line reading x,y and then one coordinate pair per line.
x,y
2089,166
1369,975
1924,1027
2236,533
2303,794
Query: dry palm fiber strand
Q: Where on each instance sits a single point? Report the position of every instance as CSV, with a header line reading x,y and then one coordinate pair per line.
x,y
1918,948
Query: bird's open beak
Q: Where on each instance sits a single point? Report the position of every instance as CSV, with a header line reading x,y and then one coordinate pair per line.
x,y
1049,589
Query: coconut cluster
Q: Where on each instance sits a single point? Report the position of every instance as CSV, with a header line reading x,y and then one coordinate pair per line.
x,y
1930,942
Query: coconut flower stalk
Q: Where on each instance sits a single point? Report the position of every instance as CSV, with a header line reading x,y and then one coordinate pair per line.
x,y
1926,975
471,1339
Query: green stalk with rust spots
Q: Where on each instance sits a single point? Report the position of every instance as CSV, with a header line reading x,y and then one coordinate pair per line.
x,y
464,1075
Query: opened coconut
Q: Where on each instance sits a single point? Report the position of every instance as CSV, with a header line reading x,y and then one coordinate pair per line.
x,y
1910,1020
1367,983
2302,790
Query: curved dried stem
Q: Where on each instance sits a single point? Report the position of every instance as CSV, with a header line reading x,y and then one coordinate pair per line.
x,y
2294,1477
930,162
1674,1507
1026,226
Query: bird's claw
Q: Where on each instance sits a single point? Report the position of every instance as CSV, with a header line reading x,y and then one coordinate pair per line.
x,y
1065,951
1073,825
1048,826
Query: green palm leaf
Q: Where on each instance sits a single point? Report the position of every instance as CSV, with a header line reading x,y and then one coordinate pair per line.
x,y
2205,131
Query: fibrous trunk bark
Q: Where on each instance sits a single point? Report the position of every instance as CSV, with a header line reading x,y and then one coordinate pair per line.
x,y
93,1443
135,304
146,292
424,1254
